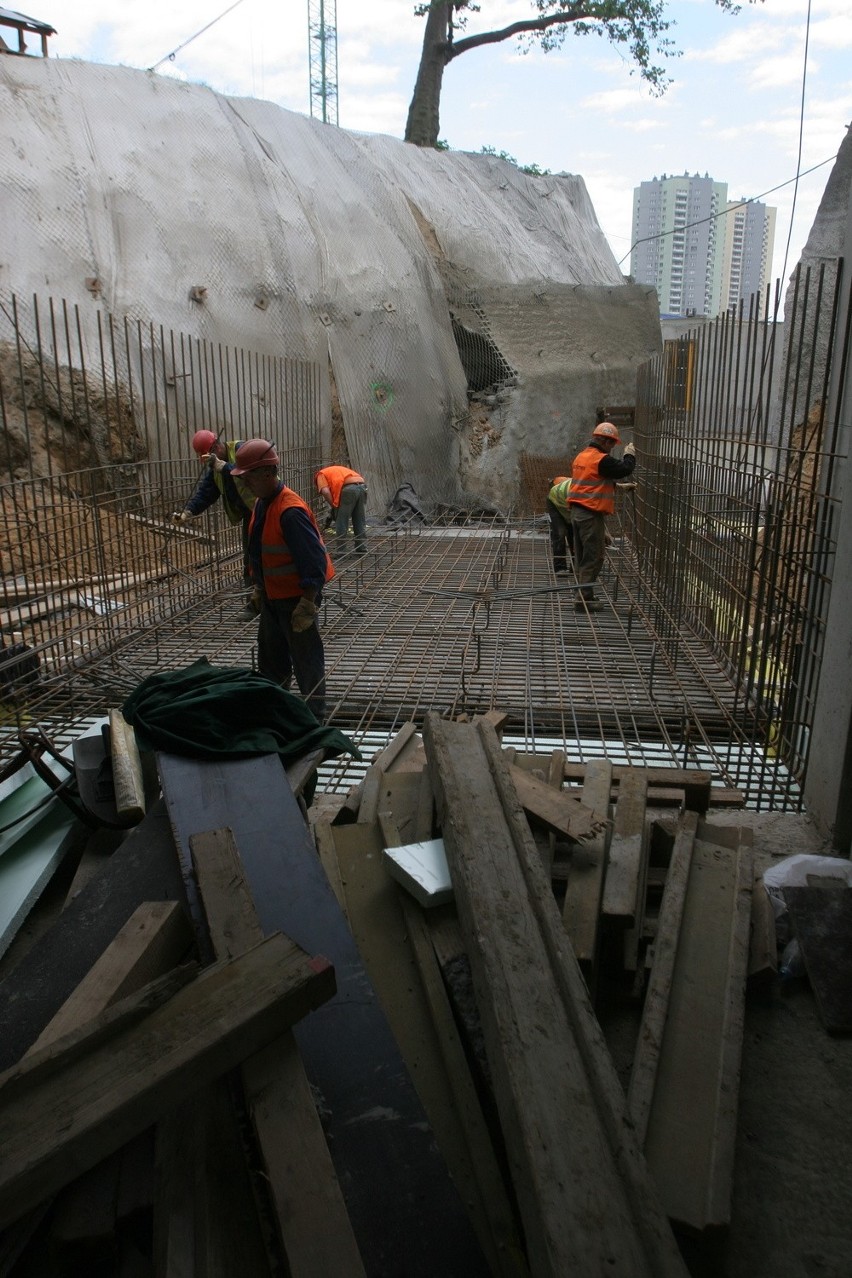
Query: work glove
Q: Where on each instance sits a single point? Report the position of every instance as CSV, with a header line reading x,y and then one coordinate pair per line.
x,y
218,463
627,486
304,615
629,450
182,517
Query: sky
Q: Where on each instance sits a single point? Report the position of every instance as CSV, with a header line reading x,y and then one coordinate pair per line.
x,y
754,97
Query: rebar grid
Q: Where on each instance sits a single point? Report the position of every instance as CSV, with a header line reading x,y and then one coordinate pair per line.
x,y
462,620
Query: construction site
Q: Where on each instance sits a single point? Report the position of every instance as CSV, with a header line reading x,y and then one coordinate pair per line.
x,y
240,1034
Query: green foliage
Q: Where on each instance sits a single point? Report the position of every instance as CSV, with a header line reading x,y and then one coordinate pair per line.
x,y
532,169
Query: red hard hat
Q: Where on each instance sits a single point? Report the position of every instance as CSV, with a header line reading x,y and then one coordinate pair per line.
x,y
606,430
203,441
253,454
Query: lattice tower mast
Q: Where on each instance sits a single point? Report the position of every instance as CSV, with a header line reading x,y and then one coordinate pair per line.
x,y
322,57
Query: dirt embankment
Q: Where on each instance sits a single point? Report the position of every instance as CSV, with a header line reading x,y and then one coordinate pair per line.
x,y
57,419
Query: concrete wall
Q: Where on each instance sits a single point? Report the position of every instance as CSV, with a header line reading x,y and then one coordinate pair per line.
x,y
124,191
828,786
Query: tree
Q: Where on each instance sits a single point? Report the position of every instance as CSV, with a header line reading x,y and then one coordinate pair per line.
x,y
639,27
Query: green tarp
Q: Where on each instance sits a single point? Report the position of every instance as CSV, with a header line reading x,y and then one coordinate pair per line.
x,y
220,712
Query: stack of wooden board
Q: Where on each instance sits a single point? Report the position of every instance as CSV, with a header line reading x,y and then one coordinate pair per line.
x,y
651,893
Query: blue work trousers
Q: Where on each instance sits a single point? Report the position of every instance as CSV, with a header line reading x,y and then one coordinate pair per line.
x,y
283,652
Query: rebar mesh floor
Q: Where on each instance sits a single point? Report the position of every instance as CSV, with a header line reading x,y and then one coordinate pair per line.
x,y
467,619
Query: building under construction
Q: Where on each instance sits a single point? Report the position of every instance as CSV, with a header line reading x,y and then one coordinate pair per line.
x,y
396,1064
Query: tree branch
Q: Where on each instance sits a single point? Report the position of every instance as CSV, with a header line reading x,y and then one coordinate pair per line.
x,y
579,14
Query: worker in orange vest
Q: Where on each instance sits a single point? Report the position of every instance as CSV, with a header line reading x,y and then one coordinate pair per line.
x,y
289,566
345,491
592,497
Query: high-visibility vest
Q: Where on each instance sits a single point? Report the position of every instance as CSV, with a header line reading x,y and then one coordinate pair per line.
x,y
558,495
587,487
234,513
334,478
280,575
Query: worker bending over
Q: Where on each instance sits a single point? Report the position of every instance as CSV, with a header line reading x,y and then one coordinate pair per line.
x,y
345,491
592,497
561,532
218,480
289,566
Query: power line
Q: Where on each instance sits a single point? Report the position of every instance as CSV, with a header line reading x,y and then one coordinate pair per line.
x,y
801,135
647,239
170,57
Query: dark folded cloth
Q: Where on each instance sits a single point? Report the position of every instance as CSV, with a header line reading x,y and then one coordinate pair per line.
x,y
226,712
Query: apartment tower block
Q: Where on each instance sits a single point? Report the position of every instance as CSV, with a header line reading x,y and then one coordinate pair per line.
x,y
702,252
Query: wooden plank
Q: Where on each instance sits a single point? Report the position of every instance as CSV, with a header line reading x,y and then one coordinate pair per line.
x,y
405,1211
303,770
399,794
666,796
80,1112
155,938
556,810
383,941
624,874
374,775
127,779
691,1130
587,869
655,1010
324,840
312,1217
696,785
143,868
510,1260
551,1070
632,948
822,923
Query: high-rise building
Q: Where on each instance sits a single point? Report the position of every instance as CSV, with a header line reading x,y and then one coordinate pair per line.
x,y
702,253
747,253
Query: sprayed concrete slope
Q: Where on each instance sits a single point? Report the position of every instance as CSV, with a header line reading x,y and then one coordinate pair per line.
x,y
326,245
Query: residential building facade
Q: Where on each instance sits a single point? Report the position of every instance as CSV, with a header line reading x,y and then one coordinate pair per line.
x,y
702,252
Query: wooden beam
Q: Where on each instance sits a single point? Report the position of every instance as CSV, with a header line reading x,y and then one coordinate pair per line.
x,y
696,785
509,1259
404,1209
587,870
155,938
627,852
556,810
58,1124
384,943
552,1072
382,762
312,1217
691,1127
127,778
643,1076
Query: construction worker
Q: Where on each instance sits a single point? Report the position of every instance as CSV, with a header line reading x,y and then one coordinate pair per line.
x,y
217,480
345,491
289,567
592,497
561,532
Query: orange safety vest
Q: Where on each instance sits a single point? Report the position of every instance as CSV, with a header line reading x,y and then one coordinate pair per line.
x,y
587,487
334,478
280,575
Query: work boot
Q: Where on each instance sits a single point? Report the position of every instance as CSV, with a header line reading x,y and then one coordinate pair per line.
x,y
587,605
